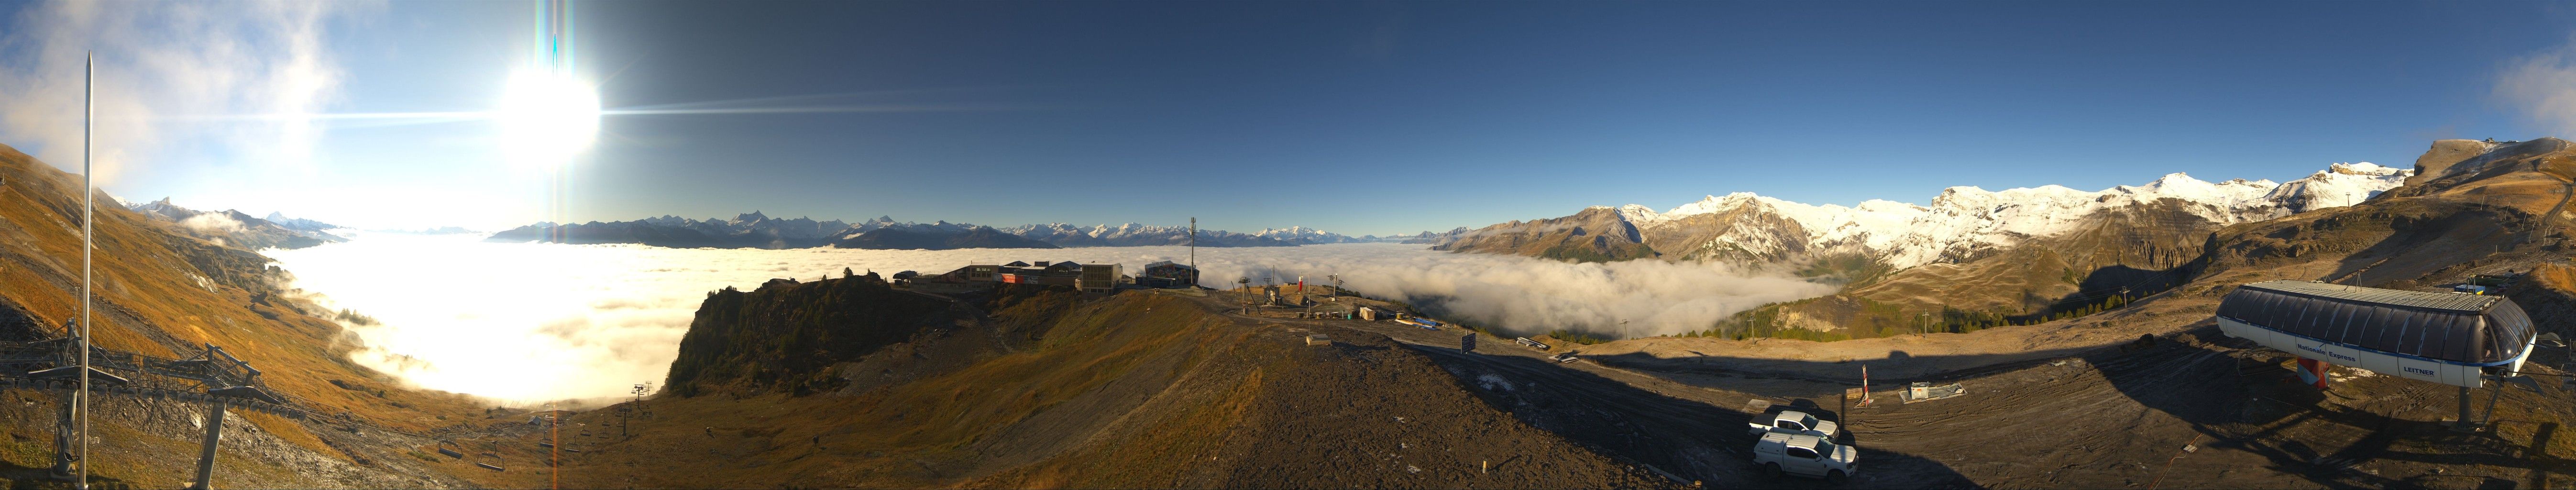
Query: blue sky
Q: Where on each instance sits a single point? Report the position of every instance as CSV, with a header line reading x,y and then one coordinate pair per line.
x,y
1350,117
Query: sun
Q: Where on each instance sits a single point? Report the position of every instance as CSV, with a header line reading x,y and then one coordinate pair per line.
x,y
547,117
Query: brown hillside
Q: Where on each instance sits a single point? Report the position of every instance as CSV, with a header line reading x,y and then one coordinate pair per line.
x,y
2500,210
1137,389
1596,234
163,293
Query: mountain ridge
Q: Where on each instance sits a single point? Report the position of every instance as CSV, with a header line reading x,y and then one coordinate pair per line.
x,y
233,227
757,230
1960,222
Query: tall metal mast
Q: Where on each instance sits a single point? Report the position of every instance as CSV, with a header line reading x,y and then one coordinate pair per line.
x,y
80,399
1194,251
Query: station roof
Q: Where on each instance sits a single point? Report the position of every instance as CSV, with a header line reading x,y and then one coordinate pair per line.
x,y
2415,299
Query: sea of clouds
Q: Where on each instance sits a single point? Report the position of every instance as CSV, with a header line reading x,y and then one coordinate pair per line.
x,y
528,322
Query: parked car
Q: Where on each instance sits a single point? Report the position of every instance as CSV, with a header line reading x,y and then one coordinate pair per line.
x,y
1805,455
1565,357
1526,342
1796,422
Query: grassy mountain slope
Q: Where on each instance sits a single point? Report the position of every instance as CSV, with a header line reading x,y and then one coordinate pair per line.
x,y
164,293
1594,235
1047,387
2501,209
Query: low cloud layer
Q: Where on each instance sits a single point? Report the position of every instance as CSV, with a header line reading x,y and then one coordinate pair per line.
x,y
528,322
214,223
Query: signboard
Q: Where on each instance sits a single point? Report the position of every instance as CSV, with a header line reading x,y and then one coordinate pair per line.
x,y
1854,393
1467,343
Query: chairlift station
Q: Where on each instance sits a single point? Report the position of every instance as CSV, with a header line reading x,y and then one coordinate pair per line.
x,y
2449,338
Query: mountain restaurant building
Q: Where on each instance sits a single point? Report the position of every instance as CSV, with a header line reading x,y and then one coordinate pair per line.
x,y
1090,278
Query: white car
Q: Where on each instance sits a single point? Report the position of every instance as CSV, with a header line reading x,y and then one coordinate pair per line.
x,y
1805,455
1796,422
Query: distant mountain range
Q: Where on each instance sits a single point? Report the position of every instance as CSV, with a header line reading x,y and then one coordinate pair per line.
x,y
234,228
757,230
1962,222
901,238
2010,254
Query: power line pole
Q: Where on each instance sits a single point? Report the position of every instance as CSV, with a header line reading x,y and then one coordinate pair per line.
x,y
1194,252
89,213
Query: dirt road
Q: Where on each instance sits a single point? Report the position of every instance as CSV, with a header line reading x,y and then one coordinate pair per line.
x,y
2099,418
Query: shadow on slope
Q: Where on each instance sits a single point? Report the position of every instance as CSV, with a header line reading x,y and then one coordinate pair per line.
x,y
1692,439
2108,409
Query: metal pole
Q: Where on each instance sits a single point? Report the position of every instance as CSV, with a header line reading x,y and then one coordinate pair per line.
x,y
214,435
2498,393
80,401
2464,425
63,427
1194,252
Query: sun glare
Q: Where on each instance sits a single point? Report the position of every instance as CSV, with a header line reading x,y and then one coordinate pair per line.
x,y
547,117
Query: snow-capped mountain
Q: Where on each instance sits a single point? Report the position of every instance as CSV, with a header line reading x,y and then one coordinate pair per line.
x,y
1132,234
232,227
1961,221
758,230
299,224
747,230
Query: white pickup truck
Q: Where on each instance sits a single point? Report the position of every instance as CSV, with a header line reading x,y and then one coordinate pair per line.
x,y
1796,422
1805,455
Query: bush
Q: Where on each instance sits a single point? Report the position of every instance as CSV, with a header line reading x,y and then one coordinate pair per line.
x,y
1579,338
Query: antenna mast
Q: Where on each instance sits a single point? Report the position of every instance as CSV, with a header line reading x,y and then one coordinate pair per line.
x,y
1194,249
80,399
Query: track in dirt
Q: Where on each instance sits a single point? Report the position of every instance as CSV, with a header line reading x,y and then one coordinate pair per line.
x,y
1691,433
2103,418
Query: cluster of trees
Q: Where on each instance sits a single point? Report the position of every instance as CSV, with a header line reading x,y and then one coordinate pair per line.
x,y
1776,333
1579,338
1579,253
